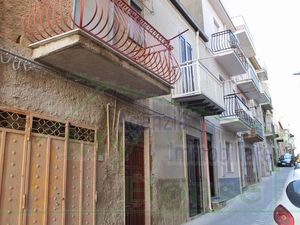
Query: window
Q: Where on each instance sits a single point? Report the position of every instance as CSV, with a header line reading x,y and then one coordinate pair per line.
x,y
136,32
186,56
136,5
229,164
216,26
221,78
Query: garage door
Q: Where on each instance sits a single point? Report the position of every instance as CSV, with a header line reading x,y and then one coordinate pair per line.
x,y
47,171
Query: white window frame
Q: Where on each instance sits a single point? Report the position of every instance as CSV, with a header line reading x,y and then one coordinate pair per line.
x,y
188,73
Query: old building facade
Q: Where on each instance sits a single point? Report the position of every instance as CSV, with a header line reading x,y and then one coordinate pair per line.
x,y
128,112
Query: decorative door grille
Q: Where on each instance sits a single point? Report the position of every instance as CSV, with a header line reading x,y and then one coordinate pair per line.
x,y
47,171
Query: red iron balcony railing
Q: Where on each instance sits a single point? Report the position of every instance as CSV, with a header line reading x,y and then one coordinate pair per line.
x,y
111,22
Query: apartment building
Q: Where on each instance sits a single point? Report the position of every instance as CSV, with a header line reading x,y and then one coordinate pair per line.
x,y
284,139
270,142
126,112
92,147
239,156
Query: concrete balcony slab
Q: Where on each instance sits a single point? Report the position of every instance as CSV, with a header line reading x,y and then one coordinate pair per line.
x,y
82,56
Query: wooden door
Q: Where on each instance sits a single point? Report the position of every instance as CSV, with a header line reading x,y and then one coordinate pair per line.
x,y
47,172
12,150
249,165
134,175
211,159
194,176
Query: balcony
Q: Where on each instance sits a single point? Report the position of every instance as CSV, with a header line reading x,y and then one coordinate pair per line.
x,y
256,133
237,116
249,84
228,54
102,42
267,103
244,36
262,74
268,130
199,90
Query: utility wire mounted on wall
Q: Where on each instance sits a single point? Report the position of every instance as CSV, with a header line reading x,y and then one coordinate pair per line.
x,y
17,62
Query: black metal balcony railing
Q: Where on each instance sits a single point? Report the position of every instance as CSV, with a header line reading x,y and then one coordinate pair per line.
x,y
236,108
250,75
223,40
258,128
226,40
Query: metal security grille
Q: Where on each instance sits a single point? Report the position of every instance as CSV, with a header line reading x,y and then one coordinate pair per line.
x,y
48,127
82,134
11,120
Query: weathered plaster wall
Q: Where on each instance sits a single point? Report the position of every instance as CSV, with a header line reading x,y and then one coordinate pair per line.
x,y
11,14
49,94
194,7
228,181
169,187
170,203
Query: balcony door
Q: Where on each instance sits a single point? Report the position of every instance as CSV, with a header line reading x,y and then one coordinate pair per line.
x,y
98,18
188,84
134,175
87,15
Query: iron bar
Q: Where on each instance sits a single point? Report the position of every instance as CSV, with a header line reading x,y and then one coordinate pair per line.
x,y
226,40
113,23
236,108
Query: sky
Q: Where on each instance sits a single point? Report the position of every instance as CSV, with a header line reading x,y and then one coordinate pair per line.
x,y
275,27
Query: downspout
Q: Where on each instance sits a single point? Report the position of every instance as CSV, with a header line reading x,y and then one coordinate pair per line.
x,y
197,52
203,123
206,161
108,128
117,125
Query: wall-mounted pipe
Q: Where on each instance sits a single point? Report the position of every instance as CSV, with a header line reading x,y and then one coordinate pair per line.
x,y
117,125
108,128
115,111
206,161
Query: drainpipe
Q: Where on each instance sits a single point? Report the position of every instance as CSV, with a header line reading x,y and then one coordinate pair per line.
x,y
197,54
203,124
206,161
108,129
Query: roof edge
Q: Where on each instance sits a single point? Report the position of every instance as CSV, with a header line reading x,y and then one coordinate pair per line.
x,y
189,19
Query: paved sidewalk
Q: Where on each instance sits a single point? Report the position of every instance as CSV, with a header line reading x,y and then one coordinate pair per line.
x,y
253,207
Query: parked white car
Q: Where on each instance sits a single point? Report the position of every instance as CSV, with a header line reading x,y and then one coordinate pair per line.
x,y
287,211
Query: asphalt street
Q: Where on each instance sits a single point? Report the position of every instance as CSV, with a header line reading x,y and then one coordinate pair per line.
x,y
254,207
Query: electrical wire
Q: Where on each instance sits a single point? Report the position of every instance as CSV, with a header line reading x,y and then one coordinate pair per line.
x,y
140,107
